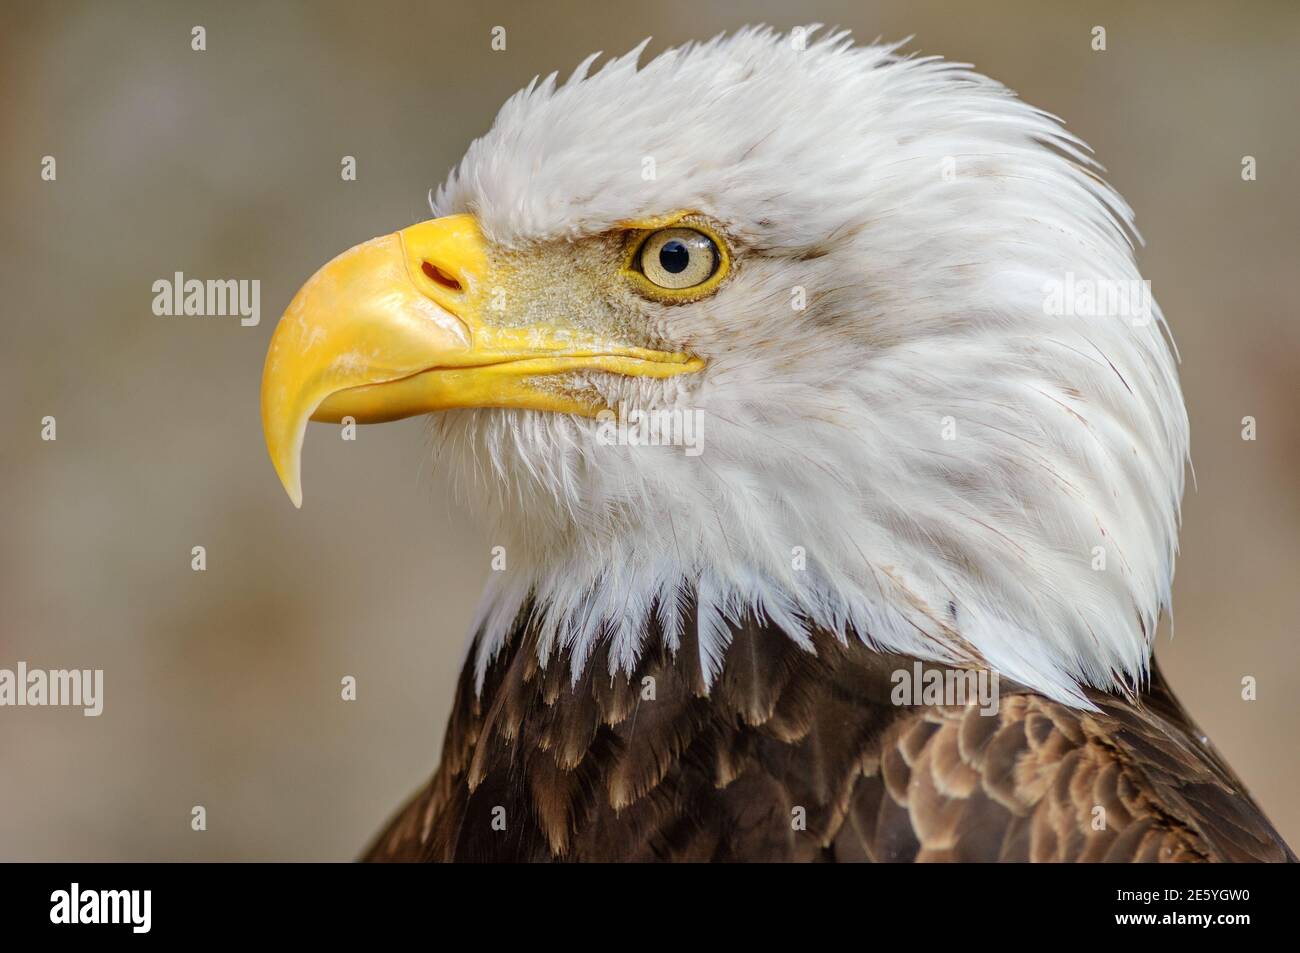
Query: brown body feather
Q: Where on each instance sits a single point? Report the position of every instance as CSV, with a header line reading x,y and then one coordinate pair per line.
x,y
597,772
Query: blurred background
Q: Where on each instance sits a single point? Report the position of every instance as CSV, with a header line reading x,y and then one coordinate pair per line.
x,y
222,687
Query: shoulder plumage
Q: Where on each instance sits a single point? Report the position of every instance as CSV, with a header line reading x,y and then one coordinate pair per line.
x,y
798,754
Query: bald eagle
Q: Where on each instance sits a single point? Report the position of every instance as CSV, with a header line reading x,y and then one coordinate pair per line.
x,y
931,446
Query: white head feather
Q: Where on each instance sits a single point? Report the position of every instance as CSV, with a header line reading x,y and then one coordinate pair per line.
x,y
953,457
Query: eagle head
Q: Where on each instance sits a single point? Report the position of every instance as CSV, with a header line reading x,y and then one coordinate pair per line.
x,y
776,324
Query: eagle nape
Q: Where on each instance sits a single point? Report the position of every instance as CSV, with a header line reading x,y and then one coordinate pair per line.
x,y
895,598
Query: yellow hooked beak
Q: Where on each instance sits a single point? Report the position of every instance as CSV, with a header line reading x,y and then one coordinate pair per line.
x,y
397,326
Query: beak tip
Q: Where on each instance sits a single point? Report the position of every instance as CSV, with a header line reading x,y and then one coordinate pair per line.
x,y
284,446
287,469
293,487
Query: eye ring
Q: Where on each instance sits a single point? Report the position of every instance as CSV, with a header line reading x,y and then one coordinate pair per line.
x,y
676,260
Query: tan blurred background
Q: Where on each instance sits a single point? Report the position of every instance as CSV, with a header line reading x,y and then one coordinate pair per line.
x,y
222,687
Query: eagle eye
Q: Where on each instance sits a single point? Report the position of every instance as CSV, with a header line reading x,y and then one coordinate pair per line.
x,y
678,258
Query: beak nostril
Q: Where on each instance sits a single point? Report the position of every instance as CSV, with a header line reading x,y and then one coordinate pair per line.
x,y
441,277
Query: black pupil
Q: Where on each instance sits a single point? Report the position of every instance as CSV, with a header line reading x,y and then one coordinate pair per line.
x,y
674,256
